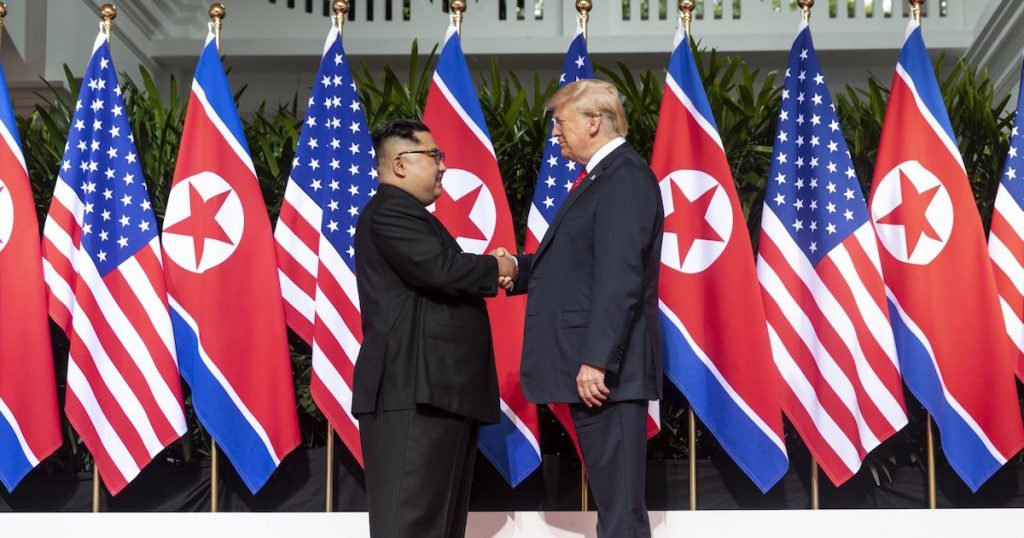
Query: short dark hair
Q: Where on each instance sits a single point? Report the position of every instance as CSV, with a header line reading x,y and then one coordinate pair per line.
x,y
404,129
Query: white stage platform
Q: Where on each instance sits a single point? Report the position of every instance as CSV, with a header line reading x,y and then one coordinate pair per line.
x,y
725,523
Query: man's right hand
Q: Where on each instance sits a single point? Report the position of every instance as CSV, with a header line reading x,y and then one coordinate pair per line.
x,y
508,270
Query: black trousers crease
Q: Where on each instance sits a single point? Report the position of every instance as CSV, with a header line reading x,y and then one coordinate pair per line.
x,y
419,470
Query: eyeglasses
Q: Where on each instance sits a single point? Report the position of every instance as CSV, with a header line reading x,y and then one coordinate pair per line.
x,y
435,154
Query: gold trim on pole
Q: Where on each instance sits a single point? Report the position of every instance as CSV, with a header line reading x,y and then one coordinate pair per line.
x,y
805,10
815,494
3,15
583,8
213,476
686,17
692,445
330,468
931,462
217,13
340,10
584,488
108,12
95,487
915,10
458,7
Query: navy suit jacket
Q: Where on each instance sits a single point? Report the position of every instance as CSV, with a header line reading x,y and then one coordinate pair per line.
x,y
593,287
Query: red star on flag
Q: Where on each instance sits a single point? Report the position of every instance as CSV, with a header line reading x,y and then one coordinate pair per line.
x,y
202,223
456,214
911,213
689,219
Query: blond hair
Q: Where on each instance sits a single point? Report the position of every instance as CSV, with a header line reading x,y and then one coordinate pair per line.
x,y
592,97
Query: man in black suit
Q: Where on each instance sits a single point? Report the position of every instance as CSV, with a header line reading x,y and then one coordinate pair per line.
x,y
425,377
592,325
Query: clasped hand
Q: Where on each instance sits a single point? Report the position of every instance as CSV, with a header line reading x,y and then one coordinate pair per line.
x,y
508,270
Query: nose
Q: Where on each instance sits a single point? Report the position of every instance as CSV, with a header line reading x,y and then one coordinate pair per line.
x,y
441,167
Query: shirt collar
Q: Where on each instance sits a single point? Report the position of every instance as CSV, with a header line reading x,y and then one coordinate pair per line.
x,y
603,152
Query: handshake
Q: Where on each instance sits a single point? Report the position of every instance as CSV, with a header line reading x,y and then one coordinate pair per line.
x,y
508,269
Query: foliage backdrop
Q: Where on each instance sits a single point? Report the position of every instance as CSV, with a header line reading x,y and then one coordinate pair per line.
x,y
745,104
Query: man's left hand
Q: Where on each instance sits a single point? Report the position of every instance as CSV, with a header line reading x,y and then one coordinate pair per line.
x,y
590,385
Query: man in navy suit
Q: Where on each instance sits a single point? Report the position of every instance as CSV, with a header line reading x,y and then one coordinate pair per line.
x,y
592,325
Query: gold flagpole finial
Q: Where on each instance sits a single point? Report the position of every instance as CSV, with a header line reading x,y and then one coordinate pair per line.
x,y
3,15
915,10
108,12
217,13
340,10
686,14
583,8
458,7
805,10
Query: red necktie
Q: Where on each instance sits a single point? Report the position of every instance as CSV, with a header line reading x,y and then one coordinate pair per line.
x,y
579,179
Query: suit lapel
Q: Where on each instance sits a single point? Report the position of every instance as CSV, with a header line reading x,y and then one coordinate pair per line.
x,y
575,195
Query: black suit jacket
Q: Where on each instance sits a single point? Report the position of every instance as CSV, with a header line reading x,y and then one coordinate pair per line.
x,y
426,334
593,287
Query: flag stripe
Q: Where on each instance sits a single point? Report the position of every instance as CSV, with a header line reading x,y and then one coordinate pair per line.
x,y
300,237
676,329
300,308
926,110
333,335
111,386
821,323
971,452
187,332
834,452
704,123
932,388
869,360
333,403
810,378
113,461
9,427
108,368
1010,276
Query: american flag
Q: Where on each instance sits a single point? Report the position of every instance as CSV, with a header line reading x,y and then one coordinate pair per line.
x,y
818,265
333,175
556,174
1006,237
554,181
29,416
105,284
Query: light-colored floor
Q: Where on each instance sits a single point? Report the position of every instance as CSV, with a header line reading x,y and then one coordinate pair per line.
x,y
718,524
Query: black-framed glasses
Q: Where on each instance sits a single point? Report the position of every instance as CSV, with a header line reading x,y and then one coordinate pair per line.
x,y
435,154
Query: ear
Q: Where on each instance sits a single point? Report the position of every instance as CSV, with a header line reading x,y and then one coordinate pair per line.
x,y
594,124
398,166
